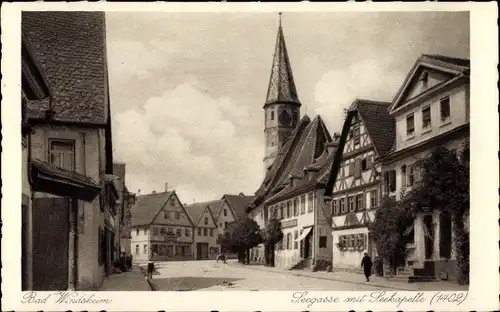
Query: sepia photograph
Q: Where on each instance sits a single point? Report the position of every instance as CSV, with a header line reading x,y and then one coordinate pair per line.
x,y
279,150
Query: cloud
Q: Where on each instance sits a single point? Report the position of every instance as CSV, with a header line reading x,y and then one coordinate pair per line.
x,y
370,79
191,140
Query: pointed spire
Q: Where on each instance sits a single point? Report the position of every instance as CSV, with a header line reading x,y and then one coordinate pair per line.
x,y
281,84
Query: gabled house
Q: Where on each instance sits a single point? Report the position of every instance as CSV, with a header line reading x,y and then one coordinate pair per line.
x,y
161,228
69,244
431,109
228,209
205,228
355,180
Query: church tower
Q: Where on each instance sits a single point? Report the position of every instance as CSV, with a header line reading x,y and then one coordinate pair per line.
x,y
282,107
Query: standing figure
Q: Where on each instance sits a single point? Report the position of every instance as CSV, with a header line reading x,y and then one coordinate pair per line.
x,y
151,268
367,264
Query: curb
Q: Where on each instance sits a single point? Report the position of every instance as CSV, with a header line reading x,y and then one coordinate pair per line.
x,y
326,278
152,286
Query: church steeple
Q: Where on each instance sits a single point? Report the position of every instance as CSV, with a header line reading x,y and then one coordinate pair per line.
x,y
281,84
282,106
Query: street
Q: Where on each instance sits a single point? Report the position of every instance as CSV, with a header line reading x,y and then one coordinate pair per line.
x,y
212,276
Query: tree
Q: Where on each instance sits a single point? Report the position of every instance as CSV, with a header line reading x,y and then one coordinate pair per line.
x,y
444,185
271,235
391,221
240,237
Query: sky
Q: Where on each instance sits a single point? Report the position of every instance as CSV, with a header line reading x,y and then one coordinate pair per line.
x,y
187,89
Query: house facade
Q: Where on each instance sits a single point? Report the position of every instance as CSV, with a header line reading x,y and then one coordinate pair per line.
x,y
368,132
431,109
70,154
161,229
123,205
205,231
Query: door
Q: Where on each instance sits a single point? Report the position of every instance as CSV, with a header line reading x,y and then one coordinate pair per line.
x,y
50,243
202,251
308,246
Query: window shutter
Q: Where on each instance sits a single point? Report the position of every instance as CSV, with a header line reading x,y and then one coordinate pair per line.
x,y
393,180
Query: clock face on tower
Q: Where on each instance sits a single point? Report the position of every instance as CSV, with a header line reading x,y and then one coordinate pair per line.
x,y
284,118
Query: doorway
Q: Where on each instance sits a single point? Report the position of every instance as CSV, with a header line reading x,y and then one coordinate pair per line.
x,y
429,237
50,243
308,246
202,251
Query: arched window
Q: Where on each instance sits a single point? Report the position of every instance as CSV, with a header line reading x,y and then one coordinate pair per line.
x,y
289,241
272,115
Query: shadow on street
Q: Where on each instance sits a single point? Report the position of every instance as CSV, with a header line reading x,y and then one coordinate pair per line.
x,y
188,283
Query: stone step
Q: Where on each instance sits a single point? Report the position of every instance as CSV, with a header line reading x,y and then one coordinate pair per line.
x,y
422,279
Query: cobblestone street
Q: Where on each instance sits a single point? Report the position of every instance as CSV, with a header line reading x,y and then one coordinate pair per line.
x,y
208,275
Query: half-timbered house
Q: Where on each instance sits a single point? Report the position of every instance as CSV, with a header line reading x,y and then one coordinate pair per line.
x,y
431,109
368,133
161,228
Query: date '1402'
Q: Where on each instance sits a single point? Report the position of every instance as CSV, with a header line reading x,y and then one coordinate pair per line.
x,y
457,298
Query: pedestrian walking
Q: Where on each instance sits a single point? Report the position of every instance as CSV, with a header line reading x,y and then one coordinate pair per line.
x,y
151,268
366,265
129,262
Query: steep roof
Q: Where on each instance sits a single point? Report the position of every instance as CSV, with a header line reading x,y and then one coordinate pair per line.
x,y
281,83
380,125
216,207
70,47
195,211
147,207
238,203
306,144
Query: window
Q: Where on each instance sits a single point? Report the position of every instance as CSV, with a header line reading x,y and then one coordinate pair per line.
x,y
154,231
410,125
165,215
444,105
323,242
335,207
390,180
295,207
289,241
177,215
359,202
187,232
163,231
357,134
342,205
199,231
145,249
302,204
426,117
212,232
136,249
178,232
285,211
373,199
145,231
289,209
272,115
282,211
225,224
206,220
154,249
350,200
205,232
351,240
136,232
170,231
225,212
295,242
352,169
411,177
310,203
403,176
62,154
364,164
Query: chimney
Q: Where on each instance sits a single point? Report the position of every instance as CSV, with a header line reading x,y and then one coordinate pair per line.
x,y
154,192
310,171
241,194
293,180
166,186
336,137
